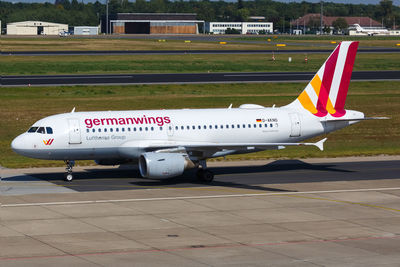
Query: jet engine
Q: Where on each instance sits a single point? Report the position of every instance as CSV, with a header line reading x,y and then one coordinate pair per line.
x,y
163,165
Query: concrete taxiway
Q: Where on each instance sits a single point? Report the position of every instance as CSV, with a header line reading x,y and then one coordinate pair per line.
x,y
331,212
185,78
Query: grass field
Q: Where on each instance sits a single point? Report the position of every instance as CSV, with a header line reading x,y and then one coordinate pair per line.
x,y
22,106
26,65
115,42
313,40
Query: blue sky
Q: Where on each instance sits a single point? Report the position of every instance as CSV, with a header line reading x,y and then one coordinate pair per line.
x,y
395,2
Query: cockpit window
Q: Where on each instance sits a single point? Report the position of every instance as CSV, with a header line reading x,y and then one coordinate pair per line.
x,y
32,129
41,130
49,130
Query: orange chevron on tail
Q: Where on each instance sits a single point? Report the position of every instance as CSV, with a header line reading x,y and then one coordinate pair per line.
x,y
327,91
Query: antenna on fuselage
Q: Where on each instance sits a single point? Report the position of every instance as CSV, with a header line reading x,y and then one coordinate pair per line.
x,y
73,110
230,106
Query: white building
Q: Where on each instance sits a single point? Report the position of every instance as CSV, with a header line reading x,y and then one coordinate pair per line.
x,y
35,28
242,27
86,30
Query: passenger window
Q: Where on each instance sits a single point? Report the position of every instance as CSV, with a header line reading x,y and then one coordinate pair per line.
x,y
210,126
105,130
255,125
146,129
32,129
176,127
182,128
244,125
249,125
129,129
238,125
111,129
227,126
199,127
188,127
193,127
152,128
205,127
233,126
260,125
216,126
87,130
49,130
93,130
123,129
41,130
170,128
222,126
271,125
99,130
117,129
266,125
160,128
134,129
140,128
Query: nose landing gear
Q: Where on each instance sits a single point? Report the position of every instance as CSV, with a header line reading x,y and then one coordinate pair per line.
x,y
68,175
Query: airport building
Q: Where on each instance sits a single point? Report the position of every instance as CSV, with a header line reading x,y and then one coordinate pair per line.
x,y
35,28
242,27
86,30
155,23
312,21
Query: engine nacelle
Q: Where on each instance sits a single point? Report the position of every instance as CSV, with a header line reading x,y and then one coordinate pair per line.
x,y
163,165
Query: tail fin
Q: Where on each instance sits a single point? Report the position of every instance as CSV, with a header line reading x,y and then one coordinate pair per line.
x,y
358,27
327,91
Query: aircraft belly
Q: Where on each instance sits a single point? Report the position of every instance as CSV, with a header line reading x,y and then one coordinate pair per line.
x,y
71,154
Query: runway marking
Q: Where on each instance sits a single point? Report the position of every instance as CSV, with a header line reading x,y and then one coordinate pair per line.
x,y
267,75
75,77
220,246
195,197
348,202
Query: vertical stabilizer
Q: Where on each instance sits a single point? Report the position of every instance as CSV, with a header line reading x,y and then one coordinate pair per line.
x,y
327,91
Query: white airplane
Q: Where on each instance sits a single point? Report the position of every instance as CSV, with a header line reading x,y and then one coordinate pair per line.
x,y
164,143
371,30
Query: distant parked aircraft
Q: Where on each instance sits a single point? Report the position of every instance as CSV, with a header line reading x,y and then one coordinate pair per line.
x,y
371,30
164,143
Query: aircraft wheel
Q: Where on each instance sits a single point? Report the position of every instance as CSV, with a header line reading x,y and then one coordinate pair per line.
x,y
68,177
206,176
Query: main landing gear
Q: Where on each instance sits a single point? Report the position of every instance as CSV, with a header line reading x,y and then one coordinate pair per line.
x,y
203,174
68,175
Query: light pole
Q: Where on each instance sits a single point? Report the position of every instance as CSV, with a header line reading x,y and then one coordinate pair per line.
x,y
106,16
322,3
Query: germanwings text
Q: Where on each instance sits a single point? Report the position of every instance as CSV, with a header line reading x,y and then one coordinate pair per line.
x,y
160,121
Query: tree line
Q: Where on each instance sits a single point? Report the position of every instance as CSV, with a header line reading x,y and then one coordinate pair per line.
x,y
76,13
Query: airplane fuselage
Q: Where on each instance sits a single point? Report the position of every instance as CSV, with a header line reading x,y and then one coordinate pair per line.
x,y
121,134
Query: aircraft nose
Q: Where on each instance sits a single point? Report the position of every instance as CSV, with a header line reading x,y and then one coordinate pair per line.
x,y
18,144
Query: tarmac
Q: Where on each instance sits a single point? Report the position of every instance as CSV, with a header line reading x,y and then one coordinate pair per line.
x,y
319,212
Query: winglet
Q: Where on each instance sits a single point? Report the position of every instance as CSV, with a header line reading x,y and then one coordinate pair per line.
x,y
320,144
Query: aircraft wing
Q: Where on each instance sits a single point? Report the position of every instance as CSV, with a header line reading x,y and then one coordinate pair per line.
x,y
181,146
359,119
249,146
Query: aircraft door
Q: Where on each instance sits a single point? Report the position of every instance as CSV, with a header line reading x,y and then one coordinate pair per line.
x,y
295,125
170,129
74,131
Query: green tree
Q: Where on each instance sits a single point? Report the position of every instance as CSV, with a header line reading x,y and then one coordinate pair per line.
x,y
340,24
386,8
